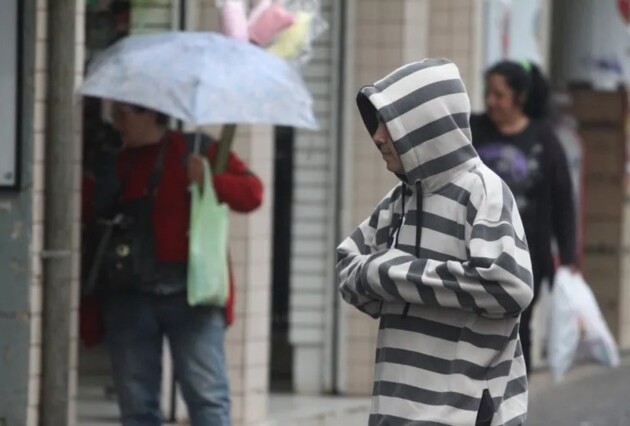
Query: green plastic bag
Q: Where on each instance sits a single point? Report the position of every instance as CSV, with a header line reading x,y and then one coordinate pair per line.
x,y
208,271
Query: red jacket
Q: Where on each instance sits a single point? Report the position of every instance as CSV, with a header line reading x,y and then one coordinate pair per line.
x,y
237,187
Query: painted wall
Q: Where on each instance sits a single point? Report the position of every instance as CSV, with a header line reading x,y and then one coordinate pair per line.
x,y
16,268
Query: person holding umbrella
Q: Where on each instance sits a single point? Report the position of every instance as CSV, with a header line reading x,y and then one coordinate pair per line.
x,y
156,166
202,79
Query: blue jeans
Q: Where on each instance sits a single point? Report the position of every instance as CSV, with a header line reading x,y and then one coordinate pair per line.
x,y
136,325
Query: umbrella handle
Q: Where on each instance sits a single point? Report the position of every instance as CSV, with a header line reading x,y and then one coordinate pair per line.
x,y
197,142
225,145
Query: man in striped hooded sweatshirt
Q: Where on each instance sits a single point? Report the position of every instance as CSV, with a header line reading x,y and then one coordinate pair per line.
x,y
442,261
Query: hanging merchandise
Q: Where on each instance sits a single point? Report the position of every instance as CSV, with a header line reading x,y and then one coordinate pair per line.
x,y
286,28
268,18
266,24
258,9
233,19
308,20
292,43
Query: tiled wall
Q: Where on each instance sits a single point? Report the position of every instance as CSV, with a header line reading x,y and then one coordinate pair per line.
x,y
250,239
450,27
378,49
248,338
388,35
454,28
37,239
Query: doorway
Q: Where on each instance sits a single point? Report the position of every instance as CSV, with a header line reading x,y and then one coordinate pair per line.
x,y
281,368
105,23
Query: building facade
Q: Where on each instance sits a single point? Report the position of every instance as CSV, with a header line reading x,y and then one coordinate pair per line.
x,y
327,166
291,334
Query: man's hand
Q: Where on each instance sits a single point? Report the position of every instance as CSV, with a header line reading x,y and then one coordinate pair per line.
x,y
195,169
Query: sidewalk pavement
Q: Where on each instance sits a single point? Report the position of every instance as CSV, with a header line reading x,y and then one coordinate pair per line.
x,y
591,395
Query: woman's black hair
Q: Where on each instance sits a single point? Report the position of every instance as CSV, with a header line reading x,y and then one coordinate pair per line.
x,y
527,82
160,118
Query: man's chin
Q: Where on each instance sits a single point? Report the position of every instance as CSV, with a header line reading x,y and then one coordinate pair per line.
x,y
392,168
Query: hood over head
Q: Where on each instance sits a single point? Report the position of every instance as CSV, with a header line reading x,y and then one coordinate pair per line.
x,y
426,110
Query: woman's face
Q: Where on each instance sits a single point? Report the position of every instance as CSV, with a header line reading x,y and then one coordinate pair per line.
x,y
134,127
502,104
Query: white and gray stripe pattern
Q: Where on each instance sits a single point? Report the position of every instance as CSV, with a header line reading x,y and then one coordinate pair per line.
x,y
450,287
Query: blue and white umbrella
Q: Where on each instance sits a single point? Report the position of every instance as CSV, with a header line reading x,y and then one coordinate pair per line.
x,y
202,78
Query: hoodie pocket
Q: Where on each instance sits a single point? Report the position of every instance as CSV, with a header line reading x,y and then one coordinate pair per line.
x,y
485,413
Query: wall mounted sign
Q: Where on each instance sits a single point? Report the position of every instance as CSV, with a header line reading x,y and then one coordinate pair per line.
x,y
512,30
10,88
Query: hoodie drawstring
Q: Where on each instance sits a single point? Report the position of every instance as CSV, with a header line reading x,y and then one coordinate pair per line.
x,y
419,208
393,237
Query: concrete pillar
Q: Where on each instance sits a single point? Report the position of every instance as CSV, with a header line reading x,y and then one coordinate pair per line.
x,y
62,213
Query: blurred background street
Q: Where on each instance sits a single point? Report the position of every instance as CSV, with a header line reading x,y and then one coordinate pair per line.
x,y
296,354
590,396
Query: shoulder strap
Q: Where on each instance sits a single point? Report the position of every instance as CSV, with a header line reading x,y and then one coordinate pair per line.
x,y
156,174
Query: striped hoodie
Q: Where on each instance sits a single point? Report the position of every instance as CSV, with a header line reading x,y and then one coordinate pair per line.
x,y
442,261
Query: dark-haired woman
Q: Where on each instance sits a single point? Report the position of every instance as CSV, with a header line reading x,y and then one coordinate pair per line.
x,y
515,140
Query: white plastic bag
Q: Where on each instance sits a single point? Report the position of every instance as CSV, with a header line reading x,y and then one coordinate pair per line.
x,y
578,329
540,325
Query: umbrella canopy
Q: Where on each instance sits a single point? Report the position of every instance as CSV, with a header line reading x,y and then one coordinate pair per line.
x,y
201,78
